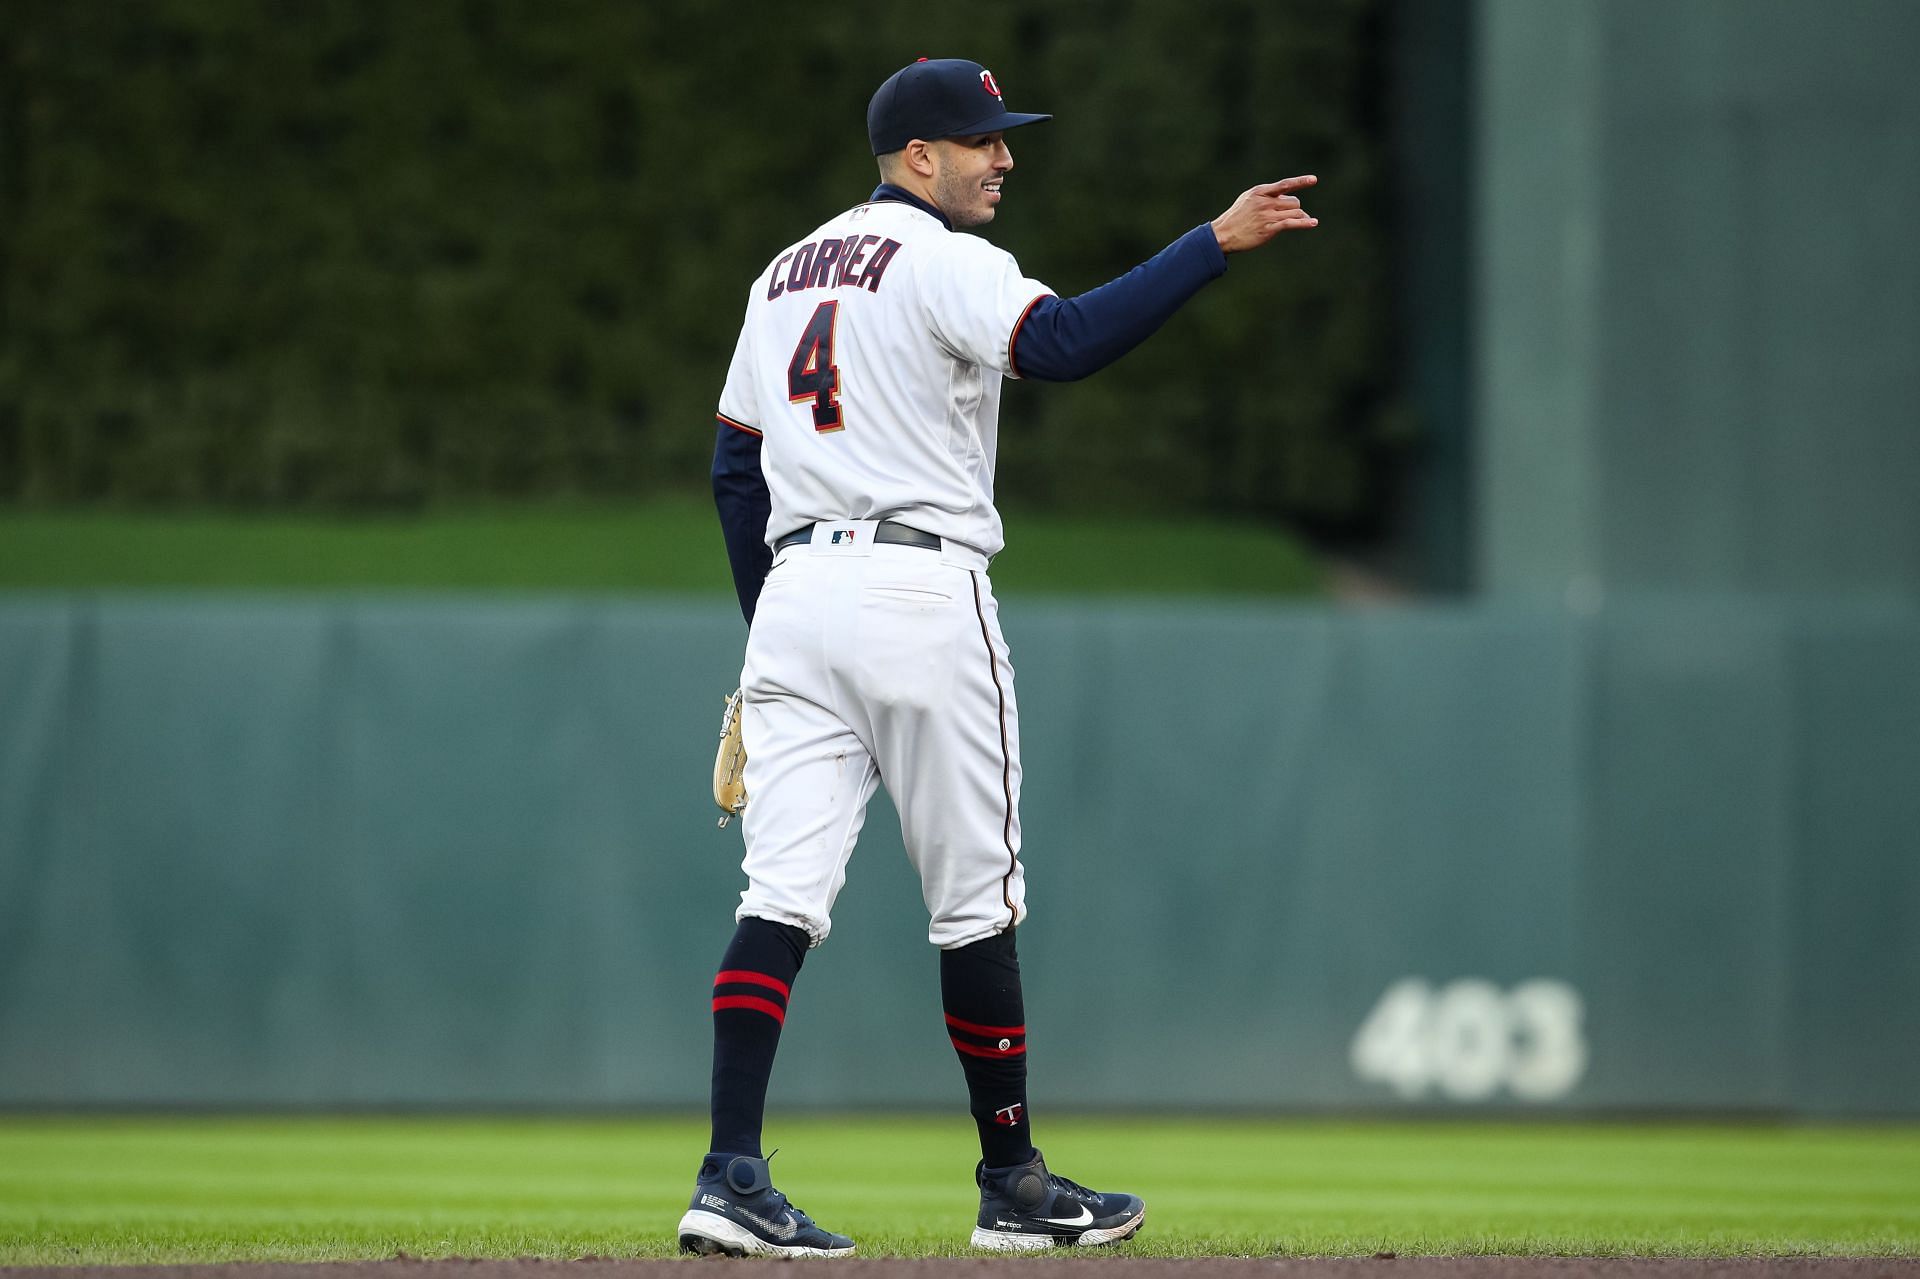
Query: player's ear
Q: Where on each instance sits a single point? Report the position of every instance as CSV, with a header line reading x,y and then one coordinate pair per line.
x,y
917,157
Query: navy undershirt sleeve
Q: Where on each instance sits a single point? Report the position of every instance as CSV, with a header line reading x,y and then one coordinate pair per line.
x,y
740,493
1064,339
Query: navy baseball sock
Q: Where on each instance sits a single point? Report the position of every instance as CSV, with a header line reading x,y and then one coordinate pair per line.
x,y
749,1007
987,1021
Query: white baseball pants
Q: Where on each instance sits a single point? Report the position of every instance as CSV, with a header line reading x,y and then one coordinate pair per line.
x,y
872,664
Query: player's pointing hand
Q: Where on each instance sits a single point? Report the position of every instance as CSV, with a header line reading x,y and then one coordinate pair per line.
x,y
1263,212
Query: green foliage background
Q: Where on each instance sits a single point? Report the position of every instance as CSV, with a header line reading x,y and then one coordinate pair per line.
x,y
351,252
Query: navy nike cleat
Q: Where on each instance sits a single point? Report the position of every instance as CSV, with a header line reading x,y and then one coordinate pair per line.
x,y
736,1212
1026,1208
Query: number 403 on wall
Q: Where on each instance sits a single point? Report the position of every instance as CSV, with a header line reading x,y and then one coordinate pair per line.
x,y
1469,1038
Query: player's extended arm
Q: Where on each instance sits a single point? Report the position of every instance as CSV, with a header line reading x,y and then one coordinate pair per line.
x,y
740,493
1064,339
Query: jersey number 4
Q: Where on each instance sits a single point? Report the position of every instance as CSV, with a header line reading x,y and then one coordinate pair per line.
x,y
812,374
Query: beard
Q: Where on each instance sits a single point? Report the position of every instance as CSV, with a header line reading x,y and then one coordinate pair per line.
x,y
962,200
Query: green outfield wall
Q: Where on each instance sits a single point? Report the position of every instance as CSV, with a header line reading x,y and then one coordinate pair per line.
x,y
1696,300
328,850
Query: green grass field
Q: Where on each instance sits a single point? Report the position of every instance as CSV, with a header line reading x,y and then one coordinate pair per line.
x,y
125,1190
666,545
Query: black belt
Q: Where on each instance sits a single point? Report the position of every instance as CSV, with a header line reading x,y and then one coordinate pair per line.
x,y
886,532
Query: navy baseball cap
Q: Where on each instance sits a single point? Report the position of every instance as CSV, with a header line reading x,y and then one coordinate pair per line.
x,y
938,98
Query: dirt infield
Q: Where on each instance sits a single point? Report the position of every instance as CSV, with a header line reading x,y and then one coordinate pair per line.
x,y
1380,1267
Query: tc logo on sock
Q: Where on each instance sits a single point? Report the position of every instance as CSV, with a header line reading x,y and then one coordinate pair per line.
x,y
1008,1116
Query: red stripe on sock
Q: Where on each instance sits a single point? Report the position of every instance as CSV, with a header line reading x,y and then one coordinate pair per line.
x,y
742,975
994,1032
754,1002
974,1050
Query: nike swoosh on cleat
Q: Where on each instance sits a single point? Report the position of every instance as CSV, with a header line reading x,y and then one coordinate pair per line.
x,y
779,1229
1084,1219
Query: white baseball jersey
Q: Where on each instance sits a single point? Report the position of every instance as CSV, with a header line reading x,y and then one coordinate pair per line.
x,y
870,362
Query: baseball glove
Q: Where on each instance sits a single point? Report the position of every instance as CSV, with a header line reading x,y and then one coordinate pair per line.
x,y
730,764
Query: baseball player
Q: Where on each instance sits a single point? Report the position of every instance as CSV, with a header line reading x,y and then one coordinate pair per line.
x,y
854,476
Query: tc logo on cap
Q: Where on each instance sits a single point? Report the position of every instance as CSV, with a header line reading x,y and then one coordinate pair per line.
x,y
934,100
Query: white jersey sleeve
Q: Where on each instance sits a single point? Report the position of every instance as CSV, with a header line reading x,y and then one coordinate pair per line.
x,y
975,297
739,402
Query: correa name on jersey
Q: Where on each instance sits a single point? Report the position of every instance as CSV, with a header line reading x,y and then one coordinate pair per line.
x,y
857,262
